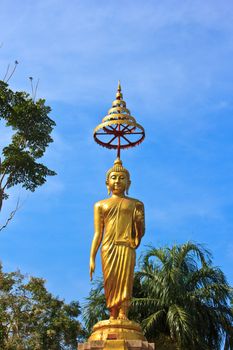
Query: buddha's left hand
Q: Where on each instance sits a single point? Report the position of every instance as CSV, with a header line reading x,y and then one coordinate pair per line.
x,y
92,268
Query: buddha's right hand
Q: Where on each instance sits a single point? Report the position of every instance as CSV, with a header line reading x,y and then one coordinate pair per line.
x,y
92,267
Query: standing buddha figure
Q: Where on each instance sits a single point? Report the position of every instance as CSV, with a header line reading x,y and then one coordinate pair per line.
x,y
119,226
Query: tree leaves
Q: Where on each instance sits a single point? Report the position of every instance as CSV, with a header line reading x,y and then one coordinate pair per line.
x,y
32,318
195,296
23,169
32,129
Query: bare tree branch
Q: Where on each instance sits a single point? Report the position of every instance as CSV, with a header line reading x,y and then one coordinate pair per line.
x,y
7,70
3,175
1,199
34,97
7,181
32,86
12,214
13,70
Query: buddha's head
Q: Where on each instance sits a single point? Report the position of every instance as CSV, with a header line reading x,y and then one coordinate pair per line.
x,y
118,179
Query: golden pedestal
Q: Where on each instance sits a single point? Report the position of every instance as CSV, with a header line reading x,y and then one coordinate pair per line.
x,y
118,335
117,330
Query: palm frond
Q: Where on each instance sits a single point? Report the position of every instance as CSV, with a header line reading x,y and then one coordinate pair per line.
x,y
150,322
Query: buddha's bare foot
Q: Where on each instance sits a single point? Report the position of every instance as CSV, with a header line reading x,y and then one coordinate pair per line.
x,y
122,316
113,313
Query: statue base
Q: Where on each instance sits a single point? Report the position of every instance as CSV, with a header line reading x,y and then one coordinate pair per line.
x,y
116,345
118,335
117,330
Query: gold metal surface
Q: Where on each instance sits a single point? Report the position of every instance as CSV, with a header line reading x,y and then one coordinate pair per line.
x,y
116,345
118,113
119,130
117,330
119,226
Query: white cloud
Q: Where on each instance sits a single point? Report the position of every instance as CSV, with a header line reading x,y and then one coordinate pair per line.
x,y
174,60
179,211
74,48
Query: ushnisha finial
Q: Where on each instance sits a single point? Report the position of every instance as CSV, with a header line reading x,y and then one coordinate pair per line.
x,y
119,130
118,162
118,166
119,95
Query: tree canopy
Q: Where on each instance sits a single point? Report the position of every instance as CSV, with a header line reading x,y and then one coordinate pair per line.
x,y
31,318
32,129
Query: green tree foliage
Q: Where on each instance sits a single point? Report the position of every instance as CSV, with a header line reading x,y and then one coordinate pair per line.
x,y
31,136
31,318
187,297
180,299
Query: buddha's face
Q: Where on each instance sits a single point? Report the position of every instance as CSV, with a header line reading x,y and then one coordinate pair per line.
x,y
118,182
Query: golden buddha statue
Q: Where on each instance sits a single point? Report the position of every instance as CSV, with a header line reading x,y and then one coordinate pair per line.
x,y
119,226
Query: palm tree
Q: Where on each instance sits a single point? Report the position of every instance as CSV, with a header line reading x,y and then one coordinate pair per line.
x,y
186,299
180,299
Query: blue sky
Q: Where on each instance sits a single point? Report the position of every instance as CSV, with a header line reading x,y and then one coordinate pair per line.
x,y
174,59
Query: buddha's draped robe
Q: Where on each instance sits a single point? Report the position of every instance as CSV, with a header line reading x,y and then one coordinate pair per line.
x,y
123,222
